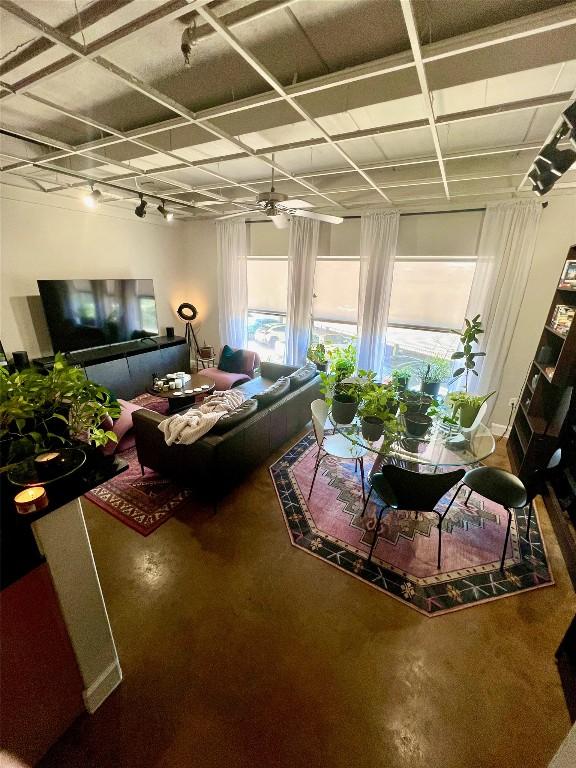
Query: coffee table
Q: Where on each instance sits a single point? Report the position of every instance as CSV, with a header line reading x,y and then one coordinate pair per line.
x,y
196,387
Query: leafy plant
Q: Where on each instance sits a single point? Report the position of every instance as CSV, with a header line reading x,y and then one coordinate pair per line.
x,y
468,336
402,374
381,400
342,363
38,410
317,353
434,371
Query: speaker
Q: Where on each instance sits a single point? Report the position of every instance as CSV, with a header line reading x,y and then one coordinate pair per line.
x,y
169,331
20,360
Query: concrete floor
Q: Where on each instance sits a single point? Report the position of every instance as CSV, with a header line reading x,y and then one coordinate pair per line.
x,y
240,650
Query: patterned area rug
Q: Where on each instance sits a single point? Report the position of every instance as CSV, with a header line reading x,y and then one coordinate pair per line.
x,y
330,527
143,502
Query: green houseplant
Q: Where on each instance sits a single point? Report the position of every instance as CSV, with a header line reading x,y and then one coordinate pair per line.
x,y
378,407
40,410
401,376
343,397
468,336
317,354
467,406
432,373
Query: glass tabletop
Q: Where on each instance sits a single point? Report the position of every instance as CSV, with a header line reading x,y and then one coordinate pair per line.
x,y
440,446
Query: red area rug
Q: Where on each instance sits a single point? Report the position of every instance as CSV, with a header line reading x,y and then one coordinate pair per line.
x,y
143,502
330,527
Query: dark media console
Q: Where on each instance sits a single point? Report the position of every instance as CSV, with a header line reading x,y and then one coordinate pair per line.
x,y
126,369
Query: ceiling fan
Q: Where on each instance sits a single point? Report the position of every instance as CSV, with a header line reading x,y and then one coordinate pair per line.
x,y
279,207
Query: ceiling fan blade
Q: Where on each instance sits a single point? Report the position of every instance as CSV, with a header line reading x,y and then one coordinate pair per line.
x,y
317,216
296,203
280,220
239,213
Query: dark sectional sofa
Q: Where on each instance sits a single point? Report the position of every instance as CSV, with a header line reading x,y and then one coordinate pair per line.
x,y
277,408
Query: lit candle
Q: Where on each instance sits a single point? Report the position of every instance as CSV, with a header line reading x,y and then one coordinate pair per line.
x,y
31,500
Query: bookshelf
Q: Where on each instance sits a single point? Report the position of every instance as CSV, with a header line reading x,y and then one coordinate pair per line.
x,y
546,397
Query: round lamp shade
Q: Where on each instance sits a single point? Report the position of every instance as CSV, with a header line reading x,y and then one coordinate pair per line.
x,y
187,312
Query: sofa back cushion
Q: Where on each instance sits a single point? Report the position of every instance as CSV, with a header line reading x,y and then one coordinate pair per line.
x,y
235,417
302,376
273,393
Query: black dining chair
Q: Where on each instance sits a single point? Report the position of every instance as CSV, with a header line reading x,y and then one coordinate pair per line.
x,y
508,490
400,488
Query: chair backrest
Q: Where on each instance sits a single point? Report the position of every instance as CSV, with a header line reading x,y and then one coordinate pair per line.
x,y
319,415
416,490
535,483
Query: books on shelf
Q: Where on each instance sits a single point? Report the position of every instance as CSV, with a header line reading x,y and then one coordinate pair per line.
x,y
568,279
562,318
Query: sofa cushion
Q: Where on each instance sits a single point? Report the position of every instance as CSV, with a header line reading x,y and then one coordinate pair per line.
x,y
225,380
232,419
121,427
273,393
302,376
232,361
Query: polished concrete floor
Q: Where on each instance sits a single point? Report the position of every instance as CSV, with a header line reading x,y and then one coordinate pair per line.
x,y
239,650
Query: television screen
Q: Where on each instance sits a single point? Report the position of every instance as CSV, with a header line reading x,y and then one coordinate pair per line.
x,y
92,313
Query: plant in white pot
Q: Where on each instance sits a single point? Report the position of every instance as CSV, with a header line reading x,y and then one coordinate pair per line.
x,y
467,407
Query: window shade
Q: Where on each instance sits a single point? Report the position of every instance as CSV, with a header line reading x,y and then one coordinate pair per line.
x,y
336,290
268,284
430,295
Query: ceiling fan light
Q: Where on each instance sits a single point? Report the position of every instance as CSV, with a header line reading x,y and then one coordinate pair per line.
x,y
92,199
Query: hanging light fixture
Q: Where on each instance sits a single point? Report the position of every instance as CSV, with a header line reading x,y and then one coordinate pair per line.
x,y
140,209
166,214
92,199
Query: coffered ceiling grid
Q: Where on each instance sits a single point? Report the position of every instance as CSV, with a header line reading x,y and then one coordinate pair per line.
x,y
558,19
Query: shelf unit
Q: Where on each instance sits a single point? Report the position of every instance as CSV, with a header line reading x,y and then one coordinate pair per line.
x,y
547,394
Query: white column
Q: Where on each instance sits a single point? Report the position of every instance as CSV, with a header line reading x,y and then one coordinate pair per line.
x,y
63,538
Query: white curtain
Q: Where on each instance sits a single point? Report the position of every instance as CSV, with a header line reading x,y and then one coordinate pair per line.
x,y
378,238
505,255
302,251
232,282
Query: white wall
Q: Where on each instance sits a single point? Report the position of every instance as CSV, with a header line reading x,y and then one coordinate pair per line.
x,y
50,237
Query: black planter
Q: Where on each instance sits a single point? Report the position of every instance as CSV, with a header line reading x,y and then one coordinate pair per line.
x,y
402,384
321,366
372,428
416,402
417,424
431,388
344,408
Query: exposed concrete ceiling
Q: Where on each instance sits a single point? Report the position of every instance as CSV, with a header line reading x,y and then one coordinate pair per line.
x,y
354,103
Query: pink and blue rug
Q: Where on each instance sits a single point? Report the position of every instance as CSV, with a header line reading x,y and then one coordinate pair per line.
x,y
404,564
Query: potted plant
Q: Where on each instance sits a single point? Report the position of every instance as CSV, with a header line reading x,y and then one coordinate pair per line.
x,y
38,411
401,377
468,336
317,354
467,406
378,407
416,402
417,424
432,373
342,362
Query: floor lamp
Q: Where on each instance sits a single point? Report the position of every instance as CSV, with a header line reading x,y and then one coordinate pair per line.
x,y
189,313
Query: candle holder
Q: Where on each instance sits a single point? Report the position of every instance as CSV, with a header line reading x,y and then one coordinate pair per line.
x,y
31,500
47,464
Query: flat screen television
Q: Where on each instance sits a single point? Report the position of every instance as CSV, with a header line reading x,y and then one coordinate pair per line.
x,y
82,314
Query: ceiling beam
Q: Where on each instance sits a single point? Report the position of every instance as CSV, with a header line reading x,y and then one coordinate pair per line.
x,y
266,75
410,22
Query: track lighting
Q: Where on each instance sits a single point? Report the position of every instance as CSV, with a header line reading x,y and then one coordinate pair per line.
x,y
168,215
140,209
92,198
569,117
188,42
551,162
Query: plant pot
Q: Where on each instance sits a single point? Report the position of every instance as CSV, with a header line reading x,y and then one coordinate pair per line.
x,y
431,388
372,428
322,366
417,424
344,408
468,414
402,384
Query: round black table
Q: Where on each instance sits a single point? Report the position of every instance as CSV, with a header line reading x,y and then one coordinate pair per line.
x,y
197,386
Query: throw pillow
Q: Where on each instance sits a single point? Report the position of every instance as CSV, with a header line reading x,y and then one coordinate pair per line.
x,y
302,376
232,361
273,393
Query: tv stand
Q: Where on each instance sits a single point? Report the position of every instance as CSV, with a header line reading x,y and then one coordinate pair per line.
x,y
126,369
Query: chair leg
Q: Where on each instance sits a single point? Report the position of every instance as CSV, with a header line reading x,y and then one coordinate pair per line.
x,y
375,534
318,460
142,469
355,466
452,500
506,539
361,462
366,502
440,522
468,497
528,521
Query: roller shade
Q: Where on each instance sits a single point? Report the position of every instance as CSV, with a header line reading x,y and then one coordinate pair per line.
x,y
268,284
336,290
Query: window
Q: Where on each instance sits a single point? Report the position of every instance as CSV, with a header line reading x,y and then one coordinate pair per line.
x,y
267,291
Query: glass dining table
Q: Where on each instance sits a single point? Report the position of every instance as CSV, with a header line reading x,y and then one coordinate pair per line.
x,y
441,446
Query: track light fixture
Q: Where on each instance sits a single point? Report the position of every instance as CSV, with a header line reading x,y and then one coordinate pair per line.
x,y
569,117
189,40
92,198
552,162
140,209
166,214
